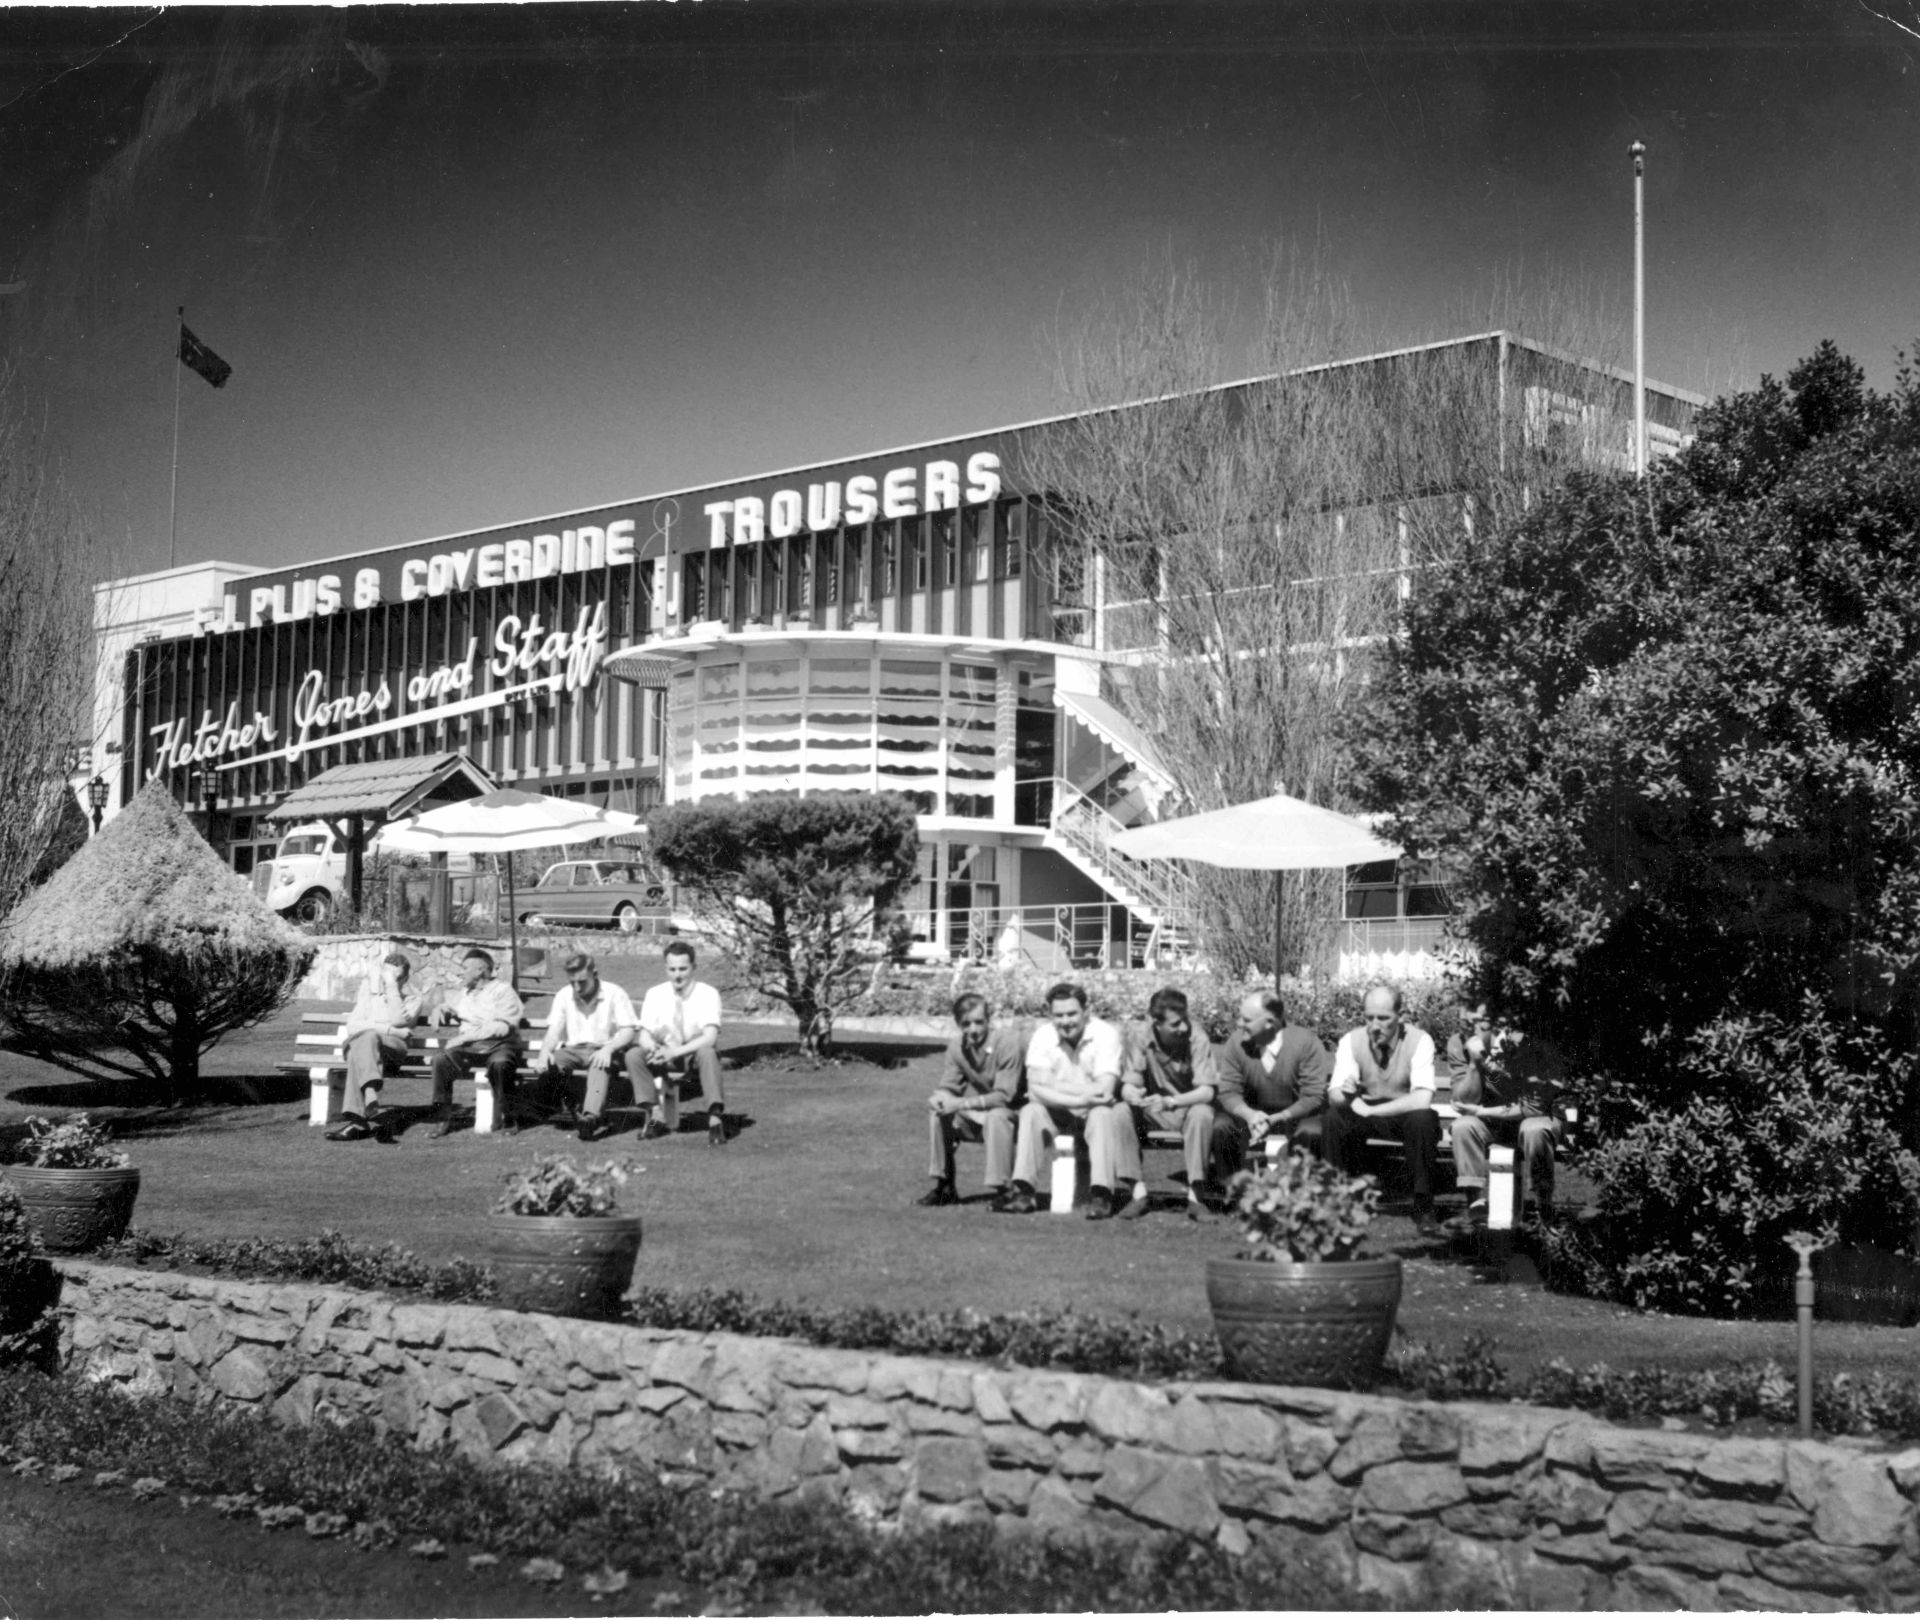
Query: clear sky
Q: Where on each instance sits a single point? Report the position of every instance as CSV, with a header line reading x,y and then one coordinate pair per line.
x,y
476,265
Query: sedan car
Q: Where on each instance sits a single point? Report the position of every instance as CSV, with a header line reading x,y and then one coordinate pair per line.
x,y
600,893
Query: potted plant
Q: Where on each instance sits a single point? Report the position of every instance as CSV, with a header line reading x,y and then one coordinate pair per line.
x,y
1295,1307
77,1187
556,1240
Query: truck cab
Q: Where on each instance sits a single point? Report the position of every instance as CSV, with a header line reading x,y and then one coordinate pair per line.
x,y
307,875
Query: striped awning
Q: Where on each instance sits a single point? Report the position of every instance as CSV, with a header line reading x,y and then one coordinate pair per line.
x,y
1115,730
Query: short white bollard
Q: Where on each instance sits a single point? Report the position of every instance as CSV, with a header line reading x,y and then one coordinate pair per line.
x,y
319,1097
482,1103
1276,1147
1500,1189
1060,1189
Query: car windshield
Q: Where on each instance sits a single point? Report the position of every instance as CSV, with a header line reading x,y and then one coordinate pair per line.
x,y
302,844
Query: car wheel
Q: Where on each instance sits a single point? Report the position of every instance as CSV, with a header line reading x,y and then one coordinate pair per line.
x,y
627,917
314,907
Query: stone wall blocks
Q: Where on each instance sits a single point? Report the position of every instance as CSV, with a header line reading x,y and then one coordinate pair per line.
x,y
295,1404
1047,1403
1564,1499
1903,1467
1464,1574
1317,1503
1751,1592
954,1390
1128,1473
1699,1555
1643,1458
1549,1584
1809,1564
1081,1458
1632,1511
351,1341
1740,1520
1653,1586
1180,1500
1586,1547
488,1368
466,1328
1374,1440
1243,1486
1391,1537
743,1389
1232,1539
659,1398
1386,1583
501,1419
1429,1433
875,1490
210,1339
1411,1488
858,1412
890,1377
241,1375
1504,1439
1009,1443
1853,1497
1054,1508
948,1468
687,1363
444,1394
989,1400
1246,1431
1485,1521
1740,1467
1007,1490
421,1325
870,1445
1128,1414
807,1368
740,1430
1190,1428
923,1419
1570,1447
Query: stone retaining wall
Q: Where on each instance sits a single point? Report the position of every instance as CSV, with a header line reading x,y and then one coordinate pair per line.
x,y
342,961
1410,1502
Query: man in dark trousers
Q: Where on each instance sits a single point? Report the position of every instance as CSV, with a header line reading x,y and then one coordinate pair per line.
x,y
488,1013
1383,1085
982,1087
1273,1081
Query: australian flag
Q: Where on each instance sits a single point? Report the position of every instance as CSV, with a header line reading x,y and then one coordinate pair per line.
x,y
196,356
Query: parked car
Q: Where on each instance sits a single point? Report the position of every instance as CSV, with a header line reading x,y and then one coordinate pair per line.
x,y
598,893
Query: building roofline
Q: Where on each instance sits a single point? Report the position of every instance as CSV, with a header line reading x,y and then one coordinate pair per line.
x,y
933,444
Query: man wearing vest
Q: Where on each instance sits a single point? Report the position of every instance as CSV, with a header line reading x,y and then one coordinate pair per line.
x,y
1383,1085
1273,1082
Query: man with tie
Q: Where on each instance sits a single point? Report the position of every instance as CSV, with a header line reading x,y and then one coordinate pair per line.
x,y
679,1031
1273,1081
1383,1083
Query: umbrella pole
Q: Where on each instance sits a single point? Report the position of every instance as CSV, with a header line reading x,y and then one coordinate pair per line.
x,y
1279,912
513,931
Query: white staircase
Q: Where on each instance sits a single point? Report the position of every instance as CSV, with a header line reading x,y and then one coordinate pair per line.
x,y
1157,892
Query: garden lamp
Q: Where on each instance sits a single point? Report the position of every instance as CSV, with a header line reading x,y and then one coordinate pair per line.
x,y
97,798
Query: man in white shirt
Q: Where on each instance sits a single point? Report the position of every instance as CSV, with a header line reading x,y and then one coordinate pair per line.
x,y
488,1013
1073,1085
1383,1084
374,1038
591,1025
679,1031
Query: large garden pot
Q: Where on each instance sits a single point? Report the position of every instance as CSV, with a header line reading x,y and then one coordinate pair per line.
x,y
569,1265
75,1210
1286,1322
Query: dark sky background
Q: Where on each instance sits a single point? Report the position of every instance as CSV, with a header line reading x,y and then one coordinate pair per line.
x,y
477,265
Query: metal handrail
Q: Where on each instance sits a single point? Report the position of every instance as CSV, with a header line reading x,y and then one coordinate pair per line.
x,y
1090,829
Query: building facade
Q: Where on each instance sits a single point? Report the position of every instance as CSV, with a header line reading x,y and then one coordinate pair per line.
x,y
909,621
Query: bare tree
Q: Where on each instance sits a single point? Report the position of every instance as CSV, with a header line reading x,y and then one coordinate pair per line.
x,y
49,560
1250,543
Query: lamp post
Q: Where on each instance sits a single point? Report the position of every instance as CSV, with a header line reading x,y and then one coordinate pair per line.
x,y
97,798
210,794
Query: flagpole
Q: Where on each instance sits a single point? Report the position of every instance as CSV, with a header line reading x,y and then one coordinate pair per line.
x,y
1638,153
173,498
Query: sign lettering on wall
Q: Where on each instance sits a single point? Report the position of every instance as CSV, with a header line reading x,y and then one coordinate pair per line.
x,y
527,658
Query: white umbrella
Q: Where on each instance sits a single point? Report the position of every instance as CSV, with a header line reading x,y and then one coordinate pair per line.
x,y
501,822
1276,834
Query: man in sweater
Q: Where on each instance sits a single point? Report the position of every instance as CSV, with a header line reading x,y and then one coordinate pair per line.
x,y
375,1037
1273,1082
982,1086
590,1026
488,1013
1073,1085
1170,1082
1383,1085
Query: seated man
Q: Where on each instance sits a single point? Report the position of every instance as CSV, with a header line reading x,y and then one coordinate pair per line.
x,y
679,1031
1273,1082
1383,1082
590,1026
1073,1085
1170,1082
980,1092
488,1013
374,1038
1503,1087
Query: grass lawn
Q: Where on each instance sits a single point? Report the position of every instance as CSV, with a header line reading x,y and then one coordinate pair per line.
x,y
813,1201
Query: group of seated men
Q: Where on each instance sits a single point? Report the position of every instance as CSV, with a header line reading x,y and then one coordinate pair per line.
x,y
1015,1094
591,1029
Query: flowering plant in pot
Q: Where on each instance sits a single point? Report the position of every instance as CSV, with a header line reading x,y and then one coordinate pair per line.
x,y
1295,1306
556,1239
78,1188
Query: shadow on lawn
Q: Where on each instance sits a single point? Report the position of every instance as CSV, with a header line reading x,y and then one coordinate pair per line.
x,y
786,1055
216,1091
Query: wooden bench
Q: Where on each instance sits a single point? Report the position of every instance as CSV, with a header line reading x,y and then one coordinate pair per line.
x,y
320,1054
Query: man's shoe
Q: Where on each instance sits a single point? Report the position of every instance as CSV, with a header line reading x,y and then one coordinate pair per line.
x,y
1135,1209
590,1127
941,1192
1100,1205
656,1128
1425,1222
352,1128
1015,1200
716,1130
444,1127
1198,1212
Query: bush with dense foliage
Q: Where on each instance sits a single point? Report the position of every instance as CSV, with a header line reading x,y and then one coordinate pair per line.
x,y
141,953
1666,737
29,1331
798,889
554,1185
1301,1208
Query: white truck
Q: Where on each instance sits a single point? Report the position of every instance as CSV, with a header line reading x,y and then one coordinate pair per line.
x,y
307,877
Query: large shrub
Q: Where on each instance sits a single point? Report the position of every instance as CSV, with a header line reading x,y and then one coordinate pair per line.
x,y
799,890
28,1288
141,953
1788,1125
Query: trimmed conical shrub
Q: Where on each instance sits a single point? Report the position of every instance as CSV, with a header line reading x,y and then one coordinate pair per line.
x,y
141,952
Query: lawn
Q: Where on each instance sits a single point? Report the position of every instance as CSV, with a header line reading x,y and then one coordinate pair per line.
x,y
813,1200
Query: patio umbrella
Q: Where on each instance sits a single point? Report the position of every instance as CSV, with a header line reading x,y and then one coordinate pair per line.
x,y
501,822
1275,834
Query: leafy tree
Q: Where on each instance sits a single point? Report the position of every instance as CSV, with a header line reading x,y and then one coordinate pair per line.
x,y
1668,735
141,953
796,889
